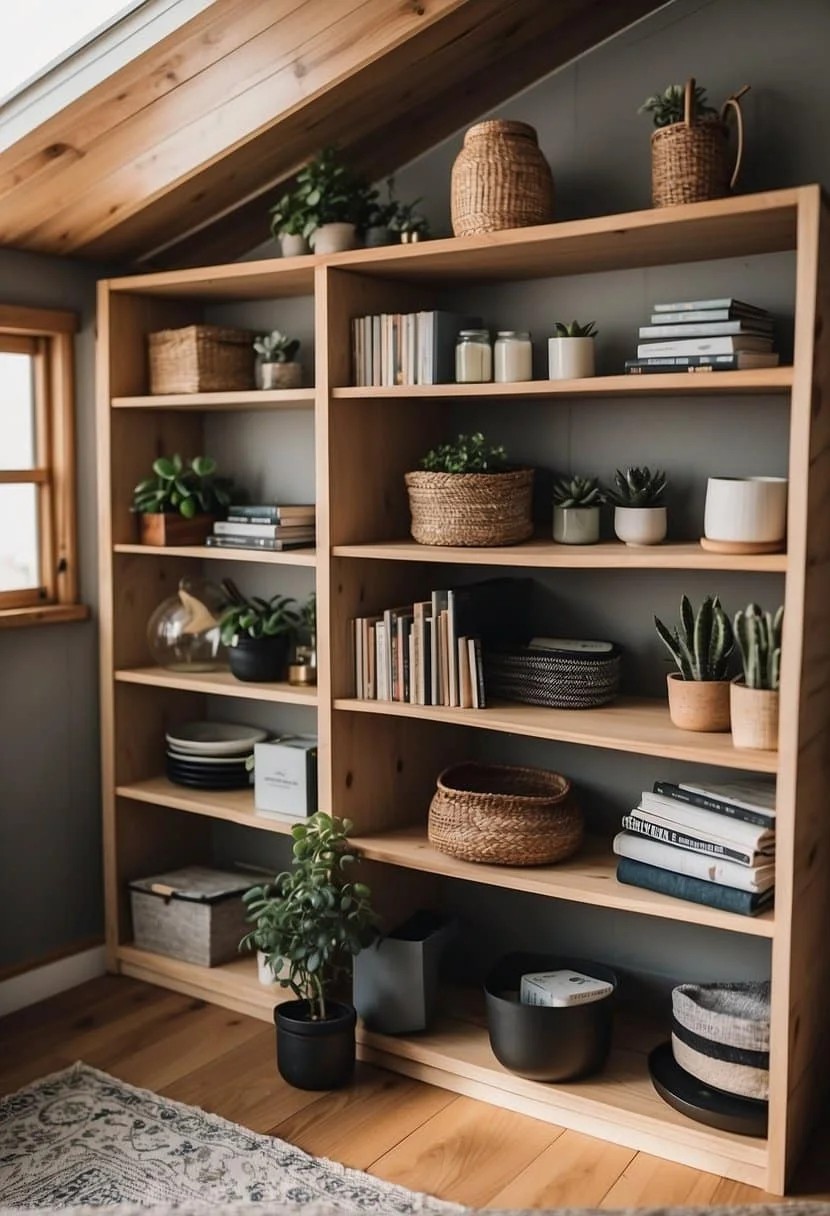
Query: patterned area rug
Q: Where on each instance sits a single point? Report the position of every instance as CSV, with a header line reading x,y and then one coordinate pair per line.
x,y
82,1137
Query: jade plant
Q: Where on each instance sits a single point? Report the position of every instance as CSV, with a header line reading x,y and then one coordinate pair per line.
x,y
276,347
703,642
331,192
573,329
290,215
255,617
636,487
759,640
312,920
183,487
670,106
466,454
577,492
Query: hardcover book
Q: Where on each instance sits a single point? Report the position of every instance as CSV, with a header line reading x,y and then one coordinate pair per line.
x,y
696,890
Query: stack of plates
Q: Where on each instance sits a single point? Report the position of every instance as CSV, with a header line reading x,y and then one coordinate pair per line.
x,y
212,755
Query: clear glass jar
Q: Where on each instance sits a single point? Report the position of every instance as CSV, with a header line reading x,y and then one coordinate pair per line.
x,y
183,632
473,357
513,356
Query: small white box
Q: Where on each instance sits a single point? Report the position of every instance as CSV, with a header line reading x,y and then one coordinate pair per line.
x,y
564,987
285,776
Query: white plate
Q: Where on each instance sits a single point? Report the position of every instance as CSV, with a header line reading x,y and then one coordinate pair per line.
x,y
215,738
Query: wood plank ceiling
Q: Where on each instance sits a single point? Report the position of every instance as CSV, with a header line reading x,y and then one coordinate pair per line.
x,y
172,161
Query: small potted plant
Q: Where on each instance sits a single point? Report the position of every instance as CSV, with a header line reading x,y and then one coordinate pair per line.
x,y
309,923
277,366
465,493
289,218
571,351
409,223
576,504
639,513
304,668
179,503
258,634
335,199
754,695
379,219
701,647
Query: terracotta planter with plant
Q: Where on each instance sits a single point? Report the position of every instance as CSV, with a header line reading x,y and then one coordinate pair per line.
x,y
576,504
277,366
571,351
309,924
466,494
180,502
754,695
258,634
701,647
639,514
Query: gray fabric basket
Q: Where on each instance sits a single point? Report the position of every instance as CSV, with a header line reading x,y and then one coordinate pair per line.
x,y
195,914
720,1034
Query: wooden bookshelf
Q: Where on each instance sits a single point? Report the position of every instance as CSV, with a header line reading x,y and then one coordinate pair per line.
x,y
378,762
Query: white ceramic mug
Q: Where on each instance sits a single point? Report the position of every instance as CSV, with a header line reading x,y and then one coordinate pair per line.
x,y
746,509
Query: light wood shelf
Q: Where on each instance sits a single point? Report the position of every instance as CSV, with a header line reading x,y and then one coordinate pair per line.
x,y
254,399
292,557
631,724
234,806
543,553
217,684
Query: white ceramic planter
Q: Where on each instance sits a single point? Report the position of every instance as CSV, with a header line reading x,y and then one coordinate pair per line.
x,y
570,358
746,510
280,375
576,525
334,238
640,525
264,971
293,245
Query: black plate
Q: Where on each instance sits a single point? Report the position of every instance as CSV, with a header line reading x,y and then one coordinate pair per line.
x,y
729,1113
200,770
241,782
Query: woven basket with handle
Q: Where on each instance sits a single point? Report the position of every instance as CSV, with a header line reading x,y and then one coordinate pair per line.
x,y
690,160
201,359
504,815
471,508
500,179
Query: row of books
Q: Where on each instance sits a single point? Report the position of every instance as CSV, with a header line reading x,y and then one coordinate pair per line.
x,y
265,526
704,336
711,844
407,348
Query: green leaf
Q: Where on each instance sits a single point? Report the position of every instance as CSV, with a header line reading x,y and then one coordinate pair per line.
x,y
164,468
203,466
187,507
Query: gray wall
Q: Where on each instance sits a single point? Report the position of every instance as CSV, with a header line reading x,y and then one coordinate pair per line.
x,y
50,850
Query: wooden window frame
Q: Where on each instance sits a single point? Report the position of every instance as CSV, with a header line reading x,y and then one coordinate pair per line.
x,y
48,336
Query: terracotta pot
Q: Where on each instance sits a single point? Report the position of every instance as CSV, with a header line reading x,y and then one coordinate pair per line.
x,y
698,704
754,716
169,529
280,375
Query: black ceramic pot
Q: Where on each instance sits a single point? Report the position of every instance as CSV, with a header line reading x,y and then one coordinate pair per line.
x,y
256,660
315,1055
547,1043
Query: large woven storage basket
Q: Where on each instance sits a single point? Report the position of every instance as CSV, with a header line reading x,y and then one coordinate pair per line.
x,y
503,815
471,508
201,359
557,679
500,179
690,160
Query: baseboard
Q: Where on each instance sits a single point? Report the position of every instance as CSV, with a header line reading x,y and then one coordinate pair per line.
x,y
43,982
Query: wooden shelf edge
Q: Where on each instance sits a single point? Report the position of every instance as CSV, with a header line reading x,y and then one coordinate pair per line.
x,y
48,614
292,557
158,791
254,399
214,684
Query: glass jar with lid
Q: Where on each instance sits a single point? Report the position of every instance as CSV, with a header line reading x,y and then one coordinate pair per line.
x,y
473,357
513,356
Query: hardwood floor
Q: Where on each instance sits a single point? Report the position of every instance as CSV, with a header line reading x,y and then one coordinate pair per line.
x,y
402,1130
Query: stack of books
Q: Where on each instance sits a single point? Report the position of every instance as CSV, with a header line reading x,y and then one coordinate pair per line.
x,y
265,526
407,348
705,336
711,844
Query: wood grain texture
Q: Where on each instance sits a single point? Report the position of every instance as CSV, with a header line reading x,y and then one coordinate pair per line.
x,y
573,1171
645,1178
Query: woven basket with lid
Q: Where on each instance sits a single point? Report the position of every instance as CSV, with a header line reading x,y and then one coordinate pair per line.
x,y
690,160
500,179
470,509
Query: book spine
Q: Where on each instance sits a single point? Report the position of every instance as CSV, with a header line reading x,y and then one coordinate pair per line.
x,y
256,542
694,865
695,890
704,314
371,661
357,643
478,673
668,361
715,329
680,840
668,790
452,649
703,346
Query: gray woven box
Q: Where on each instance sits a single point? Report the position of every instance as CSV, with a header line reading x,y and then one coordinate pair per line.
x,y
195,914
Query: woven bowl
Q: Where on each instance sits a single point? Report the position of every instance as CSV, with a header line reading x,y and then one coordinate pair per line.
x,y
471,509
501,815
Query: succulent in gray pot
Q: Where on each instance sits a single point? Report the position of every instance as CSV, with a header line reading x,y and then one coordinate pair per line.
x,y
310,923
639,512
277,366
576,504
701,647
258,634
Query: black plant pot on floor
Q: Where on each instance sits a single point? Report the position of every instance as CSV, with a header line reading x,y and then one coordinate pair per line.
x,y
315,1055
257,660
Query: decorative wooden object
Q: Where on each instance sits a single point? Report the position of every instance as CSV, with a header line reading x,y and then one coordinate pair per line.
x,y
165,528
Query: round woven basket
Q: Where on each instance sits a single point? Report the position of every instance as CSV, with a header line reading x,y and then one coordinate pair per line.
x,y
690,160
500,179
471,508
503,815
557,679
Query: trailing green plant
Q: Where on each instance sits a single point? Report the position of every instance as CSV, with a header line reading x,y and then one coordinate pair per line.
x,y
638,488
702,644
276,347
670,106
466,454
331,192
575,330
255,617
183,487
577,492
311,918
290,215
759,640
408,219
380,214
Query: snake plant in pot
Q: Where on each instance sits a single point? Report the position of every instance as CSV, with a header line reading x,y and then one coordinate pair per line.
x,y
310,923
576,504
639,513
754,697
701,646
258,634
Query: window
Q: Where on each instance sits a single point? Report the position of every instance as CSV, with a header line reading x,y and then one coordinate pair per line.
x,y
37,466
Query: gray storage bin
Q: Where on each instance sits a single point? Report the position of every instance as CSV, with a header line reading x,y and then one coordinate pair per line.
x,y
396,978
195,914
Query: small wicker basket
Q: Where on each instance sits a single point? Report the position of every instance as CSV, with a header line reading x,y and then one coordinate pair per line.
x,y
557,679
503,815
471,509
500,179
201,359
690,159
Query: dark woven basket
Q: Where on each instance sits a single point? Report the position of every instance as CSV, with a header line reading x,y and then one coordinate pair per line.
x,y
557,679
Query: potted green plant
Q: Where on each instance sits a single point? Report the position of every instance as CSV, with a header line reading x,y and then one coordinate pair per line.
x,y
289,218
754,697
409,223
310,923
701,647
571,351
466,493
277,365
335,200
380,216
179,503
258,634
304,668
639,512
576,504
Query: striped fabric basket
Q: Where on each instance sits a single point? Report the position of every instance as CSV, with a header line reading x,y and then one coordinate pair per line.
x,y
557,679
720,1034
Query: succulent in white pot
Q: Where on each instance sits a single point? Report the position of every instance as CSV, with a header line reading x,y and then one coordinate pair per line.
x,y
639,513
277,365
576,504
289,218
571,351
